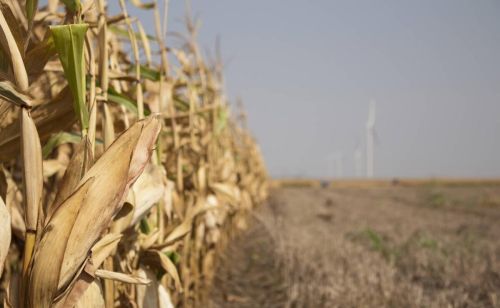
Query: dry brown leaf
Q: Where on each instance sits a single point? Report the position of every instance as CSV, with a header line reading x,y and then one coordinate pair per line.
x,y
78,165
148,190
12,294
184,228
49,252
227,192
121,277
92,297
153,295
122,219
10,45
104,247
4,233
38,56
82,281
52,166
50,117
13,198
77,223
31,151
121,164
158,258
10,94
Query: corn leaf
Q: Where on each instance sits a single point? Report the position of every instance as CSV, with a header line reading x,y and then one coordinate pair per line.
x,y
38,56
50,117
72,5
156,257
48,257
122,277
174,256
11,45
102,249
31,7
78,165
149,73
33,170
92,297
9,93
78,222
69,44
122,99
148,190
124,33
121,165
58,139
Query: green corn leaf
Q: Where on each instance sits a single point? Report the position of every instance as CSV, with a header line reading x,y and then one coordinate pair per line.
x,y
121,99
124,100
144,226
31,7
57,139
72,5
173,256
69,41
149,73
124,33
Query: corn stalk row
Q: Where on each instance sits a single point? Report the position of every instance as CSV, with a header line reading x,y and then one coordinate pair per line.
x,y
122,168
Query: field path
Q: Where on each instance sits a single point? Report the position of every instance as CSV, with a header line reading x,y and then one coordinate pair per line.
x,y
425,246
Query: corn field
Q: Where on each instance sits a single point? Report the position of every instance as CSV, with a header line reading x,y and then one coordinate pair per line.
x,y
122,169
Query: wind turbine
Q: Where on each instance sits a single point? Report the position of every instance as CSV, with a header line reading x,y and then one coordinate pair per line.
x,y
370,135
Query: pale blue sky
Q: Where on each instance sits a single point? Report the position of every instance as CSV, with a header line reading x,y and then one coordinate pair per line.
x,y
306,71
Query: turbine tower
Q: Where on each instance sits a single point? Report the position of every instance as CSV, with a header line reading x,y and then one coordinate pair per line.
x,y
370,135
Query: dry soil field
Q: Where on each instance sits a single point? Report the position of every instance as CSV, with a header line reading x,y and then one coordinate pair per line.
x,y
420,246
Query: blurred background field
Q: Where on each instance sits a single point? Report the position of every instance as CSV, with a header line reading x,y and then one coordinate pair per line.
x,y
424,244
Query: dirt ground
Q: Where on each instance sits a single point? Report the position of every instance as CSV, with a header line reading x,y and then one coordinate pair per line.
x,y
423,246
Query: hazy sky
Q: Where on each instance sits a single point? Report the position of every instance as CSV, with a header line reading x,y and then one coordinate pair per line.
x,y
307,70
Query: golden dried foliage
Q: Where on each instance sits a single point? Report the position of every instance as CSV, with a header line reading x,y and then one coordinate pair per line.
x,y
119,177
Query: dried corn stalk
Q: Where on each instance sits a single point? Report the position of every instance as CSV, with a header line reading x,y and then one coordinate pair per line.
x,y
121,177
